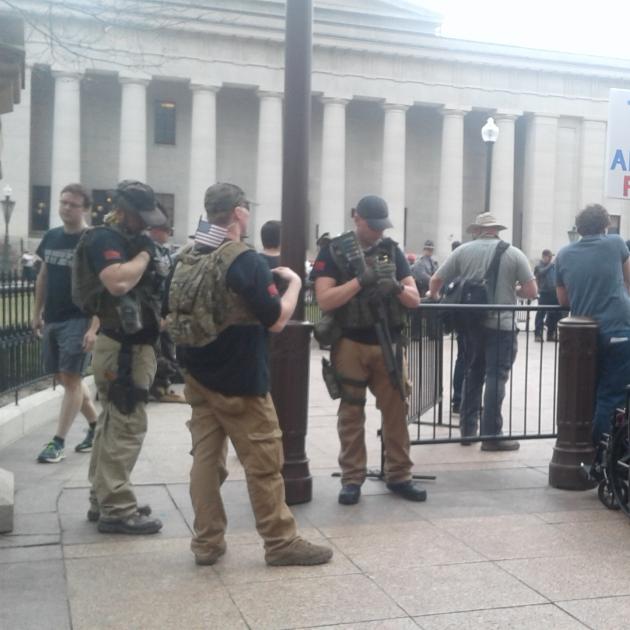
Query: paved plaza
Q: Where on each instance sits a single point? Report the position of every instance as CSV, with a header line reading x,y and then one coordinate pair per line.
x,y
493,547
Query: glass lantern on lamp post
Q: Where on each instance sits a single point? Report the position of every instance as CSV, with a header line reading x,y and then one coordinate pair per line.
x,y
573,235
489,134
7,209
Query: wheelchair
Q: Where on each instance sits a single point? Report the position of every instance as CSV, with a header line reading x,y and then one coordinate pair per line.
x,y
613,471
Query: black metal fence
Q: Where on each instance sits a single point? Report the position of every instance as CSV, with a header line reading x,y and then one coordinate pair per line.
x,y
529,406
20,350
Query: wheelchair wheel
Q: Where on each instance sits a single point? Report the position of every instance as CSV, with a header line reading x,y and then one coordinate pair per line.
x,y
606,495
619,466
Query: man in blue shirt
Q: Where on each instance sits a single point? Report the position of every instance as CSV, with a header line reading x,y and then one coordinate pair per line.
x,y
592,278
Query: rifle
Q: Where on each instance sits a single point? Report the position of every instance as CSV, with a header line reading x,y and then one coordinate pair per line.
x,y
357,265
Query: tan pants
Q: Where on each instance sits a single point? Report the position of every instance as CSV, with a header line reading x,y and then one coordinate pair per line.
x,y
252,426
363,362
118,437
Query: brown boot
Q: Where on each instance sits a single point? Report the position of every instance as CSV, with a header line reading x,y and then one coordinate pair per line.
x,y
299,552
207,559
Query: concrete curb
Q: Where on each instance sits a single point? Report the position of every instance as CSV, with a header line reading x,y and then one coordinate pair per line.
x,y
31,412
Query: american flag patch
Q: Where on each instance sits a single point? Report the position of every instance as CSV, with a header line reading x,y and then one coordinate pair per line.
x,y
112,254
209,235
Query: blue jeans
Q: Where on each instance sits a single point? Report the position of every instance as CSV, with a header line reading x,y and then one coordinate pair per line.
x,y
490,354
613,374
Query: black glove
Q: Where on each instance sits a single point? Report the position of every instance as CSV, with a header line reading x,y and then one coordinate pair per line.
x,y
386,287
368,278
386,270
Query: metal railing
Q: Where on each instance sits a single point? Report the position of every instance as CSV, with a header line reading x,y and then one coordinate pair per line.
x,y
20,350
529,405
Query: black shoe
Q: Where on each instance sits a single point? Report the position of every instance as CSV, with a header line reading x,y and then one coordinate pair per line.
x,y
455,409
538,338
408,490
552,337
136,524
350,494
500,445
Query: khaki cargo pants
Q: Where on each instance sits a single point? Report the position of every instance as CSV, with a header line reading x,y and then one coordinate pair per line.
x,y
252,426
364,362
119,437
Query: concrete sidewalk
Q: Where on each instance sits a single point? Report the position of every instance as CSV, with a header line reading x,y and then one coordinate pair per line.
x,y
493,547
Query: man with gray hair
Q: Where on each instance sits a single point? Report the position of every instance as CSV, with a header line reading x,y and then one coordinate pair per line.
x,y
490,346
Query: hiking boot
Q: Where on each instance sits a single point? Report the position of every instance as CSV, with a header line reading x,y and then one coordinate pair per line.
x,y
350,494
500,445
299,552
136,524
94,514
408,490
538,338
53,453
86,445
171,397
208,559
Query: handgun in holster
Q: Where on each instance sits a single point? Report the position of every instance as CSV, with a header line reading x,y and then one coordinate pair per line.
x,y
123,393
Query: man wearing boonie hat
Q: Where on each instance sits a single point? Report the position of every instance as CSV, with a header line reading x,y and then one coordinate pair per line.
x,y
424,267
490,347
115,277
545,274
357,357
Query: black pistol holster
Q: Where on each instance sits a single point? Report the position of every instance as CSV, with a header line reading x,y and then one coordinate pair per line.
x,y
122,391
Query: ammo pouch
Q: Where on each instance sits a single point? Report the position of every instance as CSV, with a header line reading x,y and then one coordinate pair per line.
x,y
327,331
330,378
123,393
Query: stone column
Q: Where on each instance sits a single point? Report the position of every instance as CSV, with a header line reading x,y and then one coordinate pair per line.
x,y
132,162
502,183
540,183
269,162
203,151
450,204
16,150
592,156
393,179
332,198
66,141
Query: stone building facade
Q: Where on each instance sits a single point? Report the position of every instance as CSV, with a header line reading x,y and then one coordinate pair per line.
x,y
191,95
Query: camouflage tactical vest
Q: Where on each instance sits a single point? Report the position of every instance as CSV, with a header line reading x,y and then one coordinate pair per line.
x,y
357,313
201,305
91,296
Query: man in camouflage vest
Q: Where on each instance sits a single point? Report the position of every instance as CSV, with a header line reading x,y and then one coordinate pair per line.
x,y
358,358
227,381
115,277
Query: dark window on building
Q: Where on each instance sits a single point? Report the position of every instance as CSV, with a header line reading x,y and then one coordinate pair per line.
x,y
40,209
101,205
165,118
615,224
167,201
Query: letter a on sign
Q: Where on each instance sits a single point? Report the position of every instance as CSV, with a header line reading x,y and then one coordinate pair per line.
x,y
618,145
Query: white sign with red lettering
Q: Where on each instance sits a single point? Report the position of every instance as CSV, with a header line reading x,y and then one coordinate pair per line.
x,y
618,145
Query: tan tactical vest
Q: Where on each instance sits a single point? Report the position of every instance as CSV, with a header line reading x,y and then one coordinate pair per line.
x,y
201,305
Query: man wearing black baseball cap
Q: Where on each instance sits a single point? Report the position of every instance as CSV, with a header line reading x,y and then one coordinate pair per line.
x,y
116,278
357,357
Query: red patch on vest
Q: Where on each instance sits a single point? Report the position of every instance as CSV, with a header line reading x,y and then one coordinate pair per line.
x,y
319,265
112,254
272,289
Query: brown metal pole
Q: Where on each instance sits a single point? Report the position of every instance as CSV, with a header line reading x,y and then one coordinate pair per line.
x,y
290,357
577,375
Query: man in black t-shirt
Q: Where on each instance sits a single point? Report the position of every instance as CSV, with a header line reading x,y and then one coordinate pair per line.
x,y
115,274
68,334
227,386
357,357
270,234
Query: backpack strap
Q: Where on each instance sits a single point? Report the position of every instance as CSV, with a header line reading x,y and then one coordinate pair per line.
x,y
492,272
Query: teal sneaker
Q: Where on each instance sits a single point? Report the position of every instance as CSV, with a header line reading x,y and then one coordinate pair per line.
x,y
86,445
52,454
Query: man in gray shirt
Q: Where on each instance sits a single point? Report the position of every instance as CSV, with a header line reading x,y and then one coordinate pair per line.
x,y
489,346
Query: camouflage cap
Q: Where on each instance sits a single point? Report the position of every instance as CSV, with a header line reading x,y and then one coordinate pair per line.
x,y
139,198
224,197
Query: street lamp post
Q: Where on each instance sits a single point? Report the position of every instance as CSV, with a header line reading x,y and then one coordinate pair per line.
x,y
7,209
489,134
573,235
